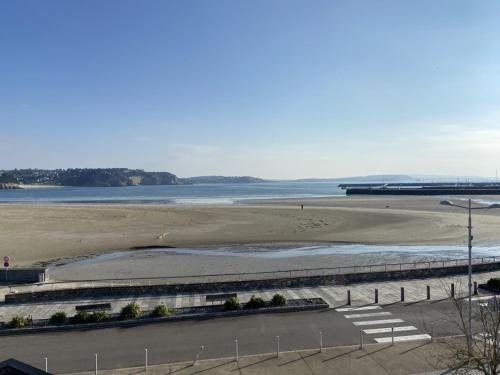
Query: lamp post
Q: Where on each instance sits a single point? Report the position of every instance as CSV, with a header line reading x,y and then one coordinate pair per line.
x,y
470,237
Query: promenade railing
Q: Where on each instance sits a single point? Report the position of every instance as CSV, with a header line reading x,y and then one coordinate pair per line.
x,y
249,276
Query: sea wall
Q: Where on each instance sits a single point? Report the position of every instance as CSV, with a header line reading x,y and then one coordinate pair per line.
x,y
23,275
203,288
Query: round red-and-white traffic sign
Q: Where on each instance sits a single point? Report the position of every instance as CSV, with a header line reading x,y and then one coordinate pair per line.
x,y
6,258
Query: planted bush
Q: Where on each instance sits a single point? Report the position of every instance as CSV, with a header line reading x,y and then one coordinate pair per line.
x,y
255,303
232,303
493,283
278,300
81,317
161,310
130,311
58,318
98,316
18,322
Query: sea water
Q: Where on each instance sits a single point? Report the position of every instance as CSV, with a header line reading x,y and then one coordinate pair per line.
x,y
174,194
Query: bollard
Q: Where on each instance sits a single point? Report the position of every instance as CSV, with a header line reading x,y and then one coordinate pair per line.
x,y
402,294
146,360
376,295
46,364
237,351
349,297
452,290
475,288
320,342
277,346
361,339
95,372
428,292
202,348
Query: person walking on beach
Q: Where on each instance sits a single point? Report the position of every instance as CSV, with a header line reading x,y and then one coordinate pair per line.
x,y
302,207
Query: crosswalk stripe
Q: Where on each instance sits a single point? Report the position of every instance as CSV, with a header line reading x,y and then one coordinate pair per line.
x,y
360,308
388,330
382,321
424,336
368,315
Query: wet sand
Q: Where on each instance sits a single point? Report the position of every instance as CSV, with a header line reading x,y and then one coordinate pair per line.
x,y
32,233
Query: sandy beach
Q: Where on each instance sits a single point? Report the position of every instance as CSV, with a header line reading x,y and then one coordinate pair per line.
x,y
32,233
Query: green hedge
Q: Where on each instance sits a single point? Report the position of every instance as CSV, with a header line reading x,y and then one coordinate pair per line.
x,y
130,311
278,300
231,303
255,303
493,283
19,322
58,318
161,310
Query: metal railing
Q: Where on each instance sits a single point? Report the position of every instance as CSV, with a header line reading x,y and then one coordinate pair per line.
x,y
250,276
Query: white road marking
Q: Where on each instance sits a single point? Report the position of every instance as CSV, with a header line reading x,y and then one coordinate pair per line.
x,y
361,308
389,330
424,336
368,315
382,321
484,298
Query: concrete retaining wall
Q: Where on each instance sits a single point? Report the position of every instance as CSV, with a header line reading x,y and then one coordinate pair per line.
x,y
122,291
23,275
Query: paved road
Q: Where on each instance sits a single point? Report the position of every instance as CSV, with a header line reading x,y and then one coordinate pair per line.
x,y
180,341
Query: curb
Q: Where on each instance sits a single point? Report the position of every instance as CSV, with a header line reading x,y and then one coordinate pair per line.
x,y
139,322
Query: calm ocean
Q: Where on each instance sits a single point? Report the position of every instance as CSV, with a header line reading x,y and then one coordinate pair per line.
x,y
175,194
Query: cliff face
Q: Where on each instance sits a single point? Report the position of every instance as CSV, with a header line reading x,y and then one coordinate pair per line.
x,y
98,177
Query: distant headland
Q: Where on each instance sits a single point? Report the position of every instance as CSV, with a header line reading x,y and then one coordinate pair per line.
x,y
105,177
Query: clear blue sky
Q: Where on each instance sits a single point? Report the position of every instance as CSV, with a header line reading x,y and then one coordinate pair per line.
x,y
271,88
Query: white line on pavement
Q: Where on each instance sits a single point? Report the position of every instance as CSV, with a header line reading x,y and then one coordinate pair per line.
x,y
424,336
360,308
388,330
483,298
368,315
382,321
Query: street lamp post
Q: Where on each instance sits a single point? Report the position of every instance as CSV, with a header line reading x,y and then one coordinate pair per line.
x,y
469,208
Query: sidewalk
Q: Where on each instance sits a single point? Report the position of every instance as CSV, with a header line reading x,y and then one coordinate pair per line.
x,y
378,359
335,296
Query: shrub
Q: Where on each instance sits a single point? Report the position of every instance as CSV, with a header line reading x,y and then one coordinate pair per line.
x,y
18,322
58,318
231,303
493,283
255,303
81,317
278,300
130,311
98,316
161,310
